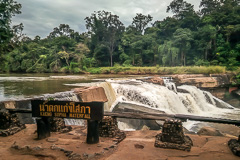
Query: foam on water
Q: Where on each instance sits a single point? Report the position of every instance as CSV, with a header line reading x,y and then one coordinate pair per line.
x,y
164,98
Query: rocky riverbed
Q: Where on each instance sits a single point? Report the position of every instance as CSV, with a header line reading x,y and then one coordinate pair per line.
x,y
136,145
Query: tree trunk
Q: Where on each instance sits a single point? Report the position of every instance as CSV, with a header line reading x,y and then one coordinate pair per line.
x,y
182,58
214,44
133,59
111,59
206,53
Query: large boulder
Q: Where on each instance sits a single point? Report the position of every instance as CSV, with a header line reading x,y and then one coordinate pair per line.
x,y
203,81
208,131
91,94
234,146
155,80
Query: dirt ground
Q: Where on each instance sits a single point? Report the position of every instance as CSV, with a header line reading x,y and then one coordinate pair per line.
x,y
138,145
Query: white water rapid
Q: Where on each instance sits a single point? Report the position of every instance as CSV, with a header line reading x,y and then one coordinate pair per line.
x,y
172,100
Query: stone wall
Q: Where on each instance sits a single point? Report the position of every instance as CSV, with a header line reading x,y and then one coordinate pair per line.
x,y
172,136
108,127
9,124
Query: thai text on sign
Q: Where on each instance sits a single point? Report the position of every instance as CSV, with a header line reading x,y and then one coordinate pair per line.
x,y
67,109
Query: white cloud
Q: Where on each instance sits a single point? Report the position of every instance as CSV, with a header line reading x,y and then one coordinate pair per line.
x,y
39,17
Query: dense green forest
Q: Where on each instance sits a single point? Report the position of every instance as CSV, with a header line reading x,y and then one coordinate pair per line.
x,y
209,36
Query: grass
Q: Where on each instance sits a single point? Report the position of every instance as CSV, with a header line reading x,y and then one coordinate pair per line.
x,y
158,70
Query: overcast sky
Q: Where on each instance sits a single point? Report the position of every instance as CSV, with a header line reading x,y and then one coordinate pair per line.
x,y
39,17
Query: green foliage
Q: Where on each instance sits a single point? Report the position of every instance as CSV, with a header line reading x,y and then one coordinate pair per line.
x,y
8,9
106,30
201,62
207,39
159,70
236,78
141,21
94,70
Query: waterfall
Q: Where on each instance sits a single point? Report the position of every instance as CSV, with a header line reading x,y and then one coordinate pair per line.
x,y
169,99
155,96
168,81
110,93
172,100
61,96
192,101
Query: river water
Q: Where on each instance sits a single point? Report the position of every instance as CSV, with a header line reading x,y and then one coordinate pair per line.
x,y
128,90
20,86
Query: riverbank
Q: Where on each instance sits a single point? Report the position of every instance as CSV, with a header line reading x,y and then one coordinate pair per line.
x,y
158,70
137,145
117,69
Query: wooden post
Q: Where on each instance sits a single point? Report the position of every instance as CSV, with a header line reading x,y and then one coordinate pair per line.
x,y
43,127
92,132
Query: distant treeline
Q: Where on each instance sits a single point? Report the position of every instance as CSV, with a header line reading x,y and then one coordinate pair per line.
x,y
210,36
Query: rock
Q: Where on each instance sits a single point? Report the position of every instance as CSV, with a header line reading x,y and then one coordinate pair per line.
x,y
10,123
203,81
234,146
234,103
155,80
10,131
232,89
91,94
74,156
237,92
37,148
15,146
97,154
138,146
172,136
28,147
57,124
108,127
91,156
76,137
10,104
85,155
144,128
67,129
113,146
54,147
208,131
52,139
67,153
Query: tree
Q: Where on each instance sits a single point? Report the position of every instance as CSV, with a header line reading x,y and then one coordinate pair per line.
x,y
8,9
184,12
140,22
62,30
80,53
169,53
207,39
209,6
182,38
18,33
180,8
166,27
106,30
